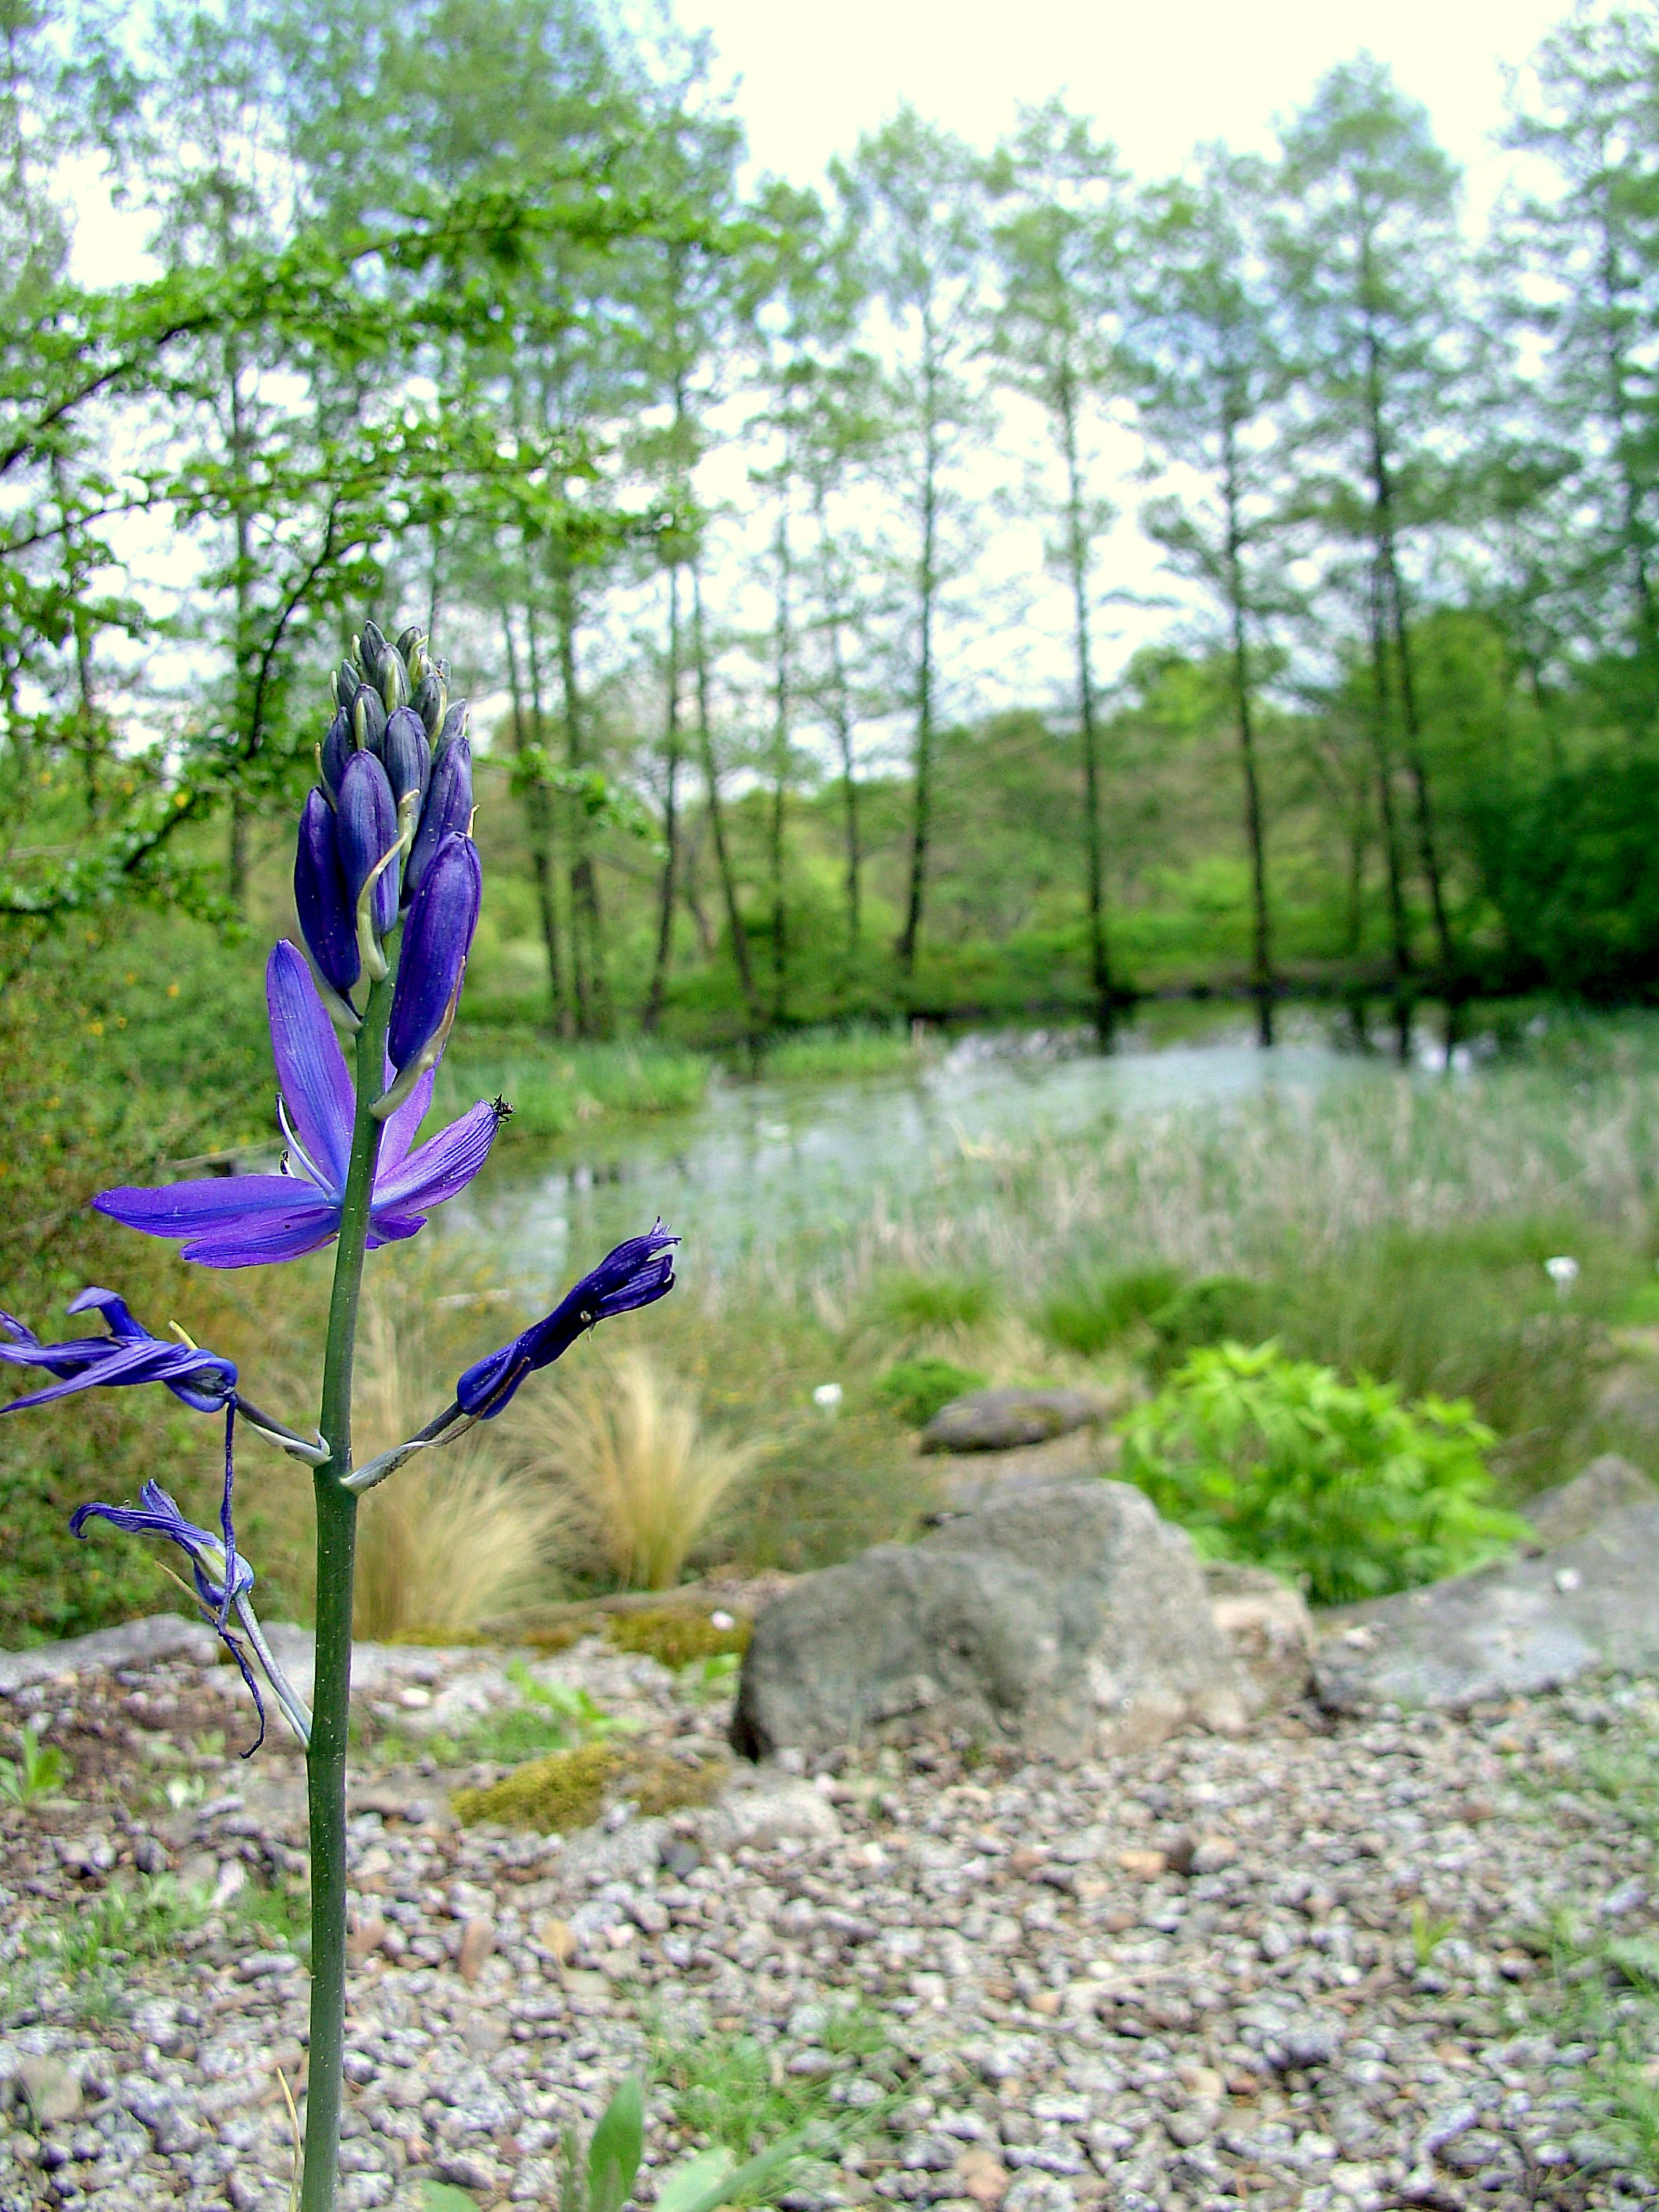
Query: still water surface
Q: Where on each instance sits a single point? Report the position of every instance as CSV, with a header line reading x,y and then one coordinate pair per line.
x,y
759,1162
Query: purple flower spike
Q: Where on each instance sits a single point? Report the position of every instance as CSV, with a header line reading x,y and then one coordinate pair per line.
x,y
406,752
368,822
637,1273
437,938
326,922
128,1355
243,1221
448,812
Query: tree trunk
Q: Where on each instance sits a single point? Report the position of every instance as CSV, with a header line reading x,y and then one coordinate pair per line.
x,y
1100,969
586,931
716,814
926,586
1399,930
538,830
1262,966
840,718
670,811
781,704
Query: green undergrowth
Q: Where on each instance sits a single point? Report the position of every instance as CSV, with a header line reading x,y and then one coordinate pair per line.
x,y
556,1089
916,1390
856,1052
732,2089
550,1716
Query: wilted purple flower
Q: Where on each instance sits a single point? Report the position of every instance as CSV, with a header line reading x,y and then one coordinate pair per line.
x,y
637,1273
128,1355
326,922
437,937
448,809
221,1576
367,820
242,1221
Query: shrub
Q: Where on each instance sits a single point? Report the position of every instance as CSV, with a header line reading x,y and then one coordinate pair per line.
x,y
626,1446
1091,1312
914,1302
1215,1310
916,1389
1336,1485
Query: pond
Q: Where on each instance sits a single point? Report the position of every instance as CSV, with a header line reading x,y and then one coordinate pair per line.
x,y
759,1162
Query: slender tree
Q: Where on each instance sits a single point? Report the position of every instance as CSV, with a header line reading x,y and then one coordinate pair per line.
x,y
1058,237
912,200
1210,373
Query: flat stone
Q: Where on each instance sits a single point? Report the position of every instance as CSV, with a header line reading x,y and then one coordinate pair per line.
x,y
1003,1420
134,1644
1268,1628
1072,1619
53,2093
1514,1628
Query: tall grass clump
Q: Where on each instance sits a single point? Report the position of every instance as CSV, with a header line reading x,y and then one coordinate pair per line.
x,y
628,1453
917,1302
460,1536
843,1055
1088,1313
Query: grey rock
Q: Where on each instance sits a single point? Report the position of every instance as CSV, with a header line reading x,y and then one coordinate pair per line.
x,y
52,2092
134,1644
1072,1620
1570,1511
1003,1420
1268,1628
765,1808
1514,1628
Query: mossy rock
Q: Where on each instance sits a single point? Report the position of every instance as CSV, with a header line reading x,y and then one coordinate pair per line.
x,y
564,1791
676,1636
570,1790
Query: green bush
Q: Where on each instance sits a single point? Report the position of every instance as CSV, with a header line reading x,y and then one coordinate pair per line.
x,y
1215,1310
921,1302
1337,1486
916,1389
1091,1312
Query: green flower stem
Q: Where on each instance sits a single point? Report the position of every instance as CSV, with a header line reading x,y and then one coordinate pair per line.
x,y
337,1541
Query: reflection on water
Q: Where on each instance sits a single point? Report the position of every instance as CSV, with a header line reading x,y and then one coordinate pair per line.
x,y
757,1162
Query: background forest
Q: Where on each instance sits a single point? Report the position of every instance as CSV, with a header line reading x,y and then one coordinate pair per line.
x,y
988,587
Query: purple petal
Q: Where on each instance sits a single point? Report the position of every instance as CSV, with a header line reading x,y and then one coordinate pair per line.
x,y
437,938
446,1163
326,922
366,825
181,1209
310,1065
115,1309
448,807
399,1134
256,1243
393,1228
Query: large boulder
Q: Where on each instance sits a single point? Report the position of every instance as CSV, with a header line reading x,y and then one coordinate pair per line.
x,y
1004,1420
1572,1509
1070,1621
1511,1629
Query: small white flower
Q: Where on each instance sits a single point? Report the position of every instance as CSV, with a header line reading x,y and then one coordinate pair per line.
x,y
1562,1271
723,1620
827,1396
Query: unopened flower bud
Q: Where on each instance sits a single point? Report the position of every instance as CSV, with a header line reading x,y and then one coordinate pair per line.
x,y
345,685
407,641
394,681
448,809
368,718
367,823
431,698
405,752
338,748
371,645
326,922
437,939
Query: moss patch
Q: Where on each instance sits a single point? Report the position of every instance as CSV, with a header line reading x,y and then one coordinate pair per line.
x,y
570,1790
677,1635
559,1638
564,1791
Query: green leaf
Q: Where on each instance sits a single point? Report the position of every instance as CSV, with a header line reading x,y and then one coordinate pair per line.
x,y
442,2196
613,2155
690,2187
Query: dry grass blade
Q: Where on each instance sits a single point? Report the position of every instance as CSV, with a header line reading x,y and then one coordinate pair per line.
x,y
626,1445
457,1534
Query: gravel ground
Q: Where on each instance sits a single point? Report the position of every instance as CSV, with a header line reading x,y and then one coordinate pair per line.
x,y
1295,1968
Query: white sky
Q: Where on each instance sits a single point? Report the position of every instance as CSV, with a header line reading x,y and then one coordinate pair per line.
x,y
1156,77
